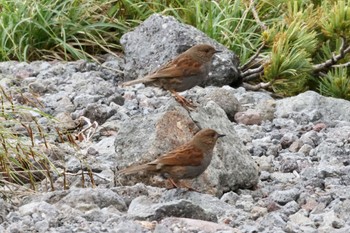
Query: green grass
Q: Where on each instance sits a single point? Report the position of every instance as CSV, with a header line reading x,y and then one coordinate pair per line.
x,y
80,29
64,30
228,22
23,142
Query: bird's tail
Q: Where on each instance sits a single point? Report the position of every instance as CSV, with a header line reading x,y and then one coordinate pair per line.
x,y
137,168
136,81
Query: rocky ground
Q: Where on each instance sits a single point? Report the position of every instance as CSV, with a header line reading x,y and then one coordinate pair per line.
x,y
284,165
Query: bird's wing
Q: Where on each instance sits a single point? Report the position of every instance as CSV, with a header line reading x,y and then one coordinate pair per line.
x,y
186,155
179,67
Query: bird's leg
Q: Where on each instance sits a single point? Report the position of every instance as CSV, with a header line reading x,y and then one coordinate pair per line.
x,y
182,100
188,187
179,184
175,184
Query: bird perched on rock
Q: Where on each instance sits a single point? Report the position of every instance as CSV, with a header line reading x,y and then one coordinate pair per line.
x,y
182,73
185,162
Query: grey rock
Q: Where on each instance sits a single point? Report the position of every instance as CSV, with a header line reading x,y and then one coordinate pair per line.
x,y
128,226
258,212
241,169
231,166
329,109
250,229
292,227
212,205
112,68
245,202
253,99
289,165
247,133
284,123
43,210
267,109
288,139
73,165
273,220
264,175
340,133
98,112
327,221
142,208
192,225
300,223
94,198
129,193
4,210
285,196
310,138
305,149
225,98
265,163
248,117
160,38
290,208
262,146
341,209
295,146
42,226
230,198
17,227
95,215
331,153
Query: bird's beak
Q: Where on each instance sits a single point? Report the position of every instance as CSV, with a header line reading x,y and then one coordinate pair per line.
x,y
221,135
218,51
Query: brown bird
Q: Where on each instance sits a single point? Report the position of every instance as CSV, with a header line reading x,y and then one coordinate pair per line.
x,y
182,73
185,162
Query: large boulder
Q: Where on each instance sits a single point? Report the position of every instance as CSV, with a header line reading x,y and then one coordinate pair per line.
x,y
144,137
160,38
314,107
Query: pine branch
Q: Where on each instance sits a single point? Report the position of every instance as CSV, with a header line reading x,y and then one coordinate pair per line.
x,y
256,87
256,16
325,66
248,63
251,74
343,65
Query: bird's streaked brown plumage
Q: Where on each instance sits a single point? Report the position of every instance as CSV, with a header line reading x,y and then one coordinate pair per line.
x,y
185,162
185,71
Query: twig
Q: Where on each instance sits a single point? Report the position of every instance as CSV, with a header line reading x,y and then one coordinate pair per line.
x,y
89,129
91,178
253,77
112,69
256,16
65,186
342,65
249,72
325,66
82,177
23,190
77,174
256,87
245,66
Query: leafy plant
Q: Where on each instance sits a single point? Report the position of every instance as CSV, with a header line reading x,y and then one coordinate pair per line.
x,y
336,83
64,30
